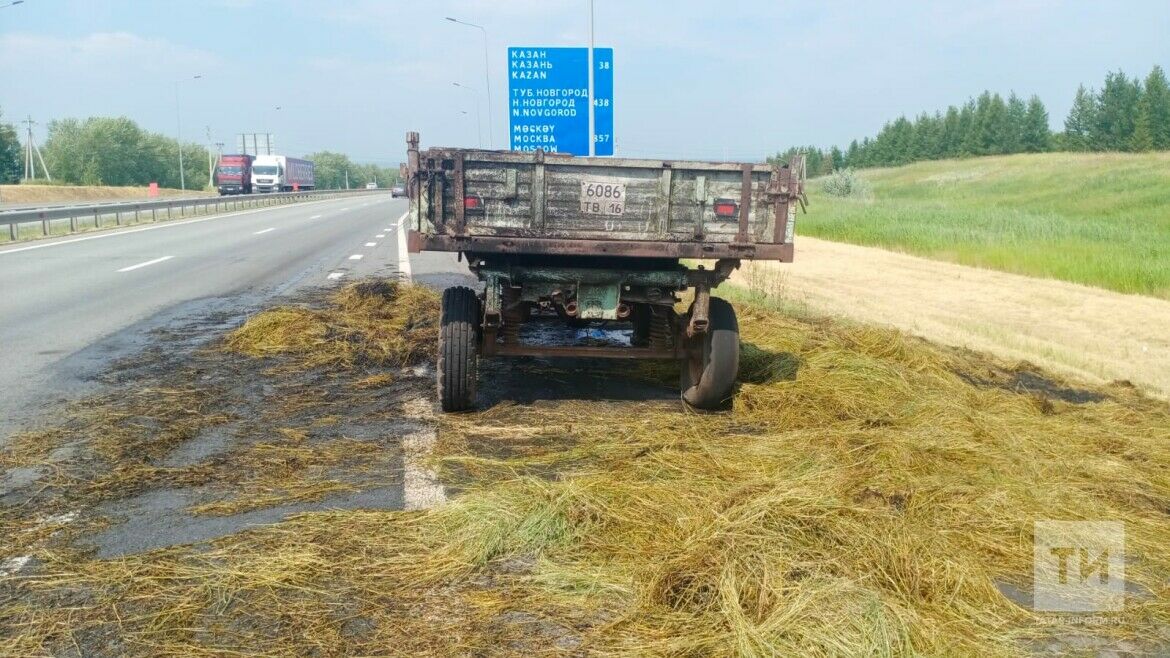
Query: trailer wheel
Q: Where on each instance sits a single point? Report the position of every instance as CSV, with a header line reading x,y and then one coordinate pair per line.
x,y
457,365
708,375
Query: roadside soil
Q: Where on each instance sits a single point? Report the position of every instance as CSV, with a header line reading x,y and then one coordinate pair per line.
x,y
1088,333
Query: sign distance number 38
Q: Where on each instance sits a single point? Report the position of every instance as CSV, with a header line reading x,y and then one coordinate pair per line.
x,y
601,198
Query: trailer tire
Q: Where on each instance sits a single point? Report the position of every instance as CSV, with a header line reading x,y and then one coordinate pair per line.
x,y
708,376
457,365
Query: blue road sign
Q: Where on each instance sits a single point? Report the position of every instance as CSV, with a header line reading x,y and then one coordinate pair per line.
x,y
548,97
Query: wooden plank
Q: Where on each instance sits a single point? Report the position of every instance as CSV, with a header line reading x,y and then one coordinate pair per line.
x,y
663,204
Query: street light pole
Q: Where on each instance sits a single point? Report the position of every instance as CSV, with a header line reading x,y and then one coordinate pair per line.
x,y
12,4
179,132
487,78
478,127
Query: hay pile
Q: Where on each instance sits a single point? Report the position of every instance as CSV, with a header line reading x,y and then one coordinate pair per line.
x,y
865,496
377,322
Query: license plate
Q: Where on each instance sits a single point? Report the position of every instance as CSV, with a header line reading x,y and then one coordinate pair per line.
x,y
602,198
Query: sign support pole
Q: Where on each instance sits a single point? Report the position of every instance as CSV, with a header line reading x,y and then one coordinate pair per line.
x,y
592,137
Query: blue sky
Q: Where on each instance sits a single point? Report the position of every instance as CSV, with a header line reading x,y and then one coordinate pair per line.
x,y
692,79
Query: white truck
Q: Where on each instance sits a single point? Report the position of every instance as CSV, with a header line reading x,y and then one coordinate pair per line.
x,y
278,173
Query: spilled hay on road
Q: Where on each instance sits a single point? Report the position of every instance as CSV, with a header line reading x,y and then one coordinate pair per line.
x,y
869,493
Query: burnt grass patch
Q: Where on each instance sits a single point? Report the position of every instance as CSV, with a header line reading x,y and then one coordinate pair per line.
x,y
867,493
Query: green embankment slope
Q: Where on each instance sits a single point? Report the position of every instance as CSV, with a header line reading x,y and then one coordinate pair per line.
x,y
1100,219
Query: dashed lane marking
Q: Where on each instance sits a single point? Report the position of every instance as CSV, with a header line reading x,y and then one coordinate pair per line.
x,y
147,263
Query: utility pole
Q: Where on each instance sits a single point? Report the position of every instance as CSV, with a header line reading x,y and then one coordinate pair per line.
x,y
347,178
31,149
210,160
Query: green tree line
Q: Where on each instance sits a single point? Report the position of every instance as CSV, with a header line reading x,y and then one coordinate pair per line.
x,y
116,151
1127,114
11,160
330,171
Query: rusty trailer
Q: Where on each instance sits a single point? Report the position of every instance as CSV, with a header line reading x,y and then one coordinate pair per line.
x,y
596,242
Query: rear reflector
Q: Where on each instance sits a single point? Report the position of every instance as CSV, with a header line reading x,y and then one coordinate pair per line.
x,y
725,208
472,203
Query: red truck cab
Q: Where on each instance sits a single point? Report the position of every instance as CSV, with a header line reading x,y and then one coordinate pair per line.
x,y
234,174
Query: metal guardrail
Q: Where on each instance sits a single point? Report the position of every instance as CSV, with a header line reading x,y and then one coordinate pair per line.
x,y
138,209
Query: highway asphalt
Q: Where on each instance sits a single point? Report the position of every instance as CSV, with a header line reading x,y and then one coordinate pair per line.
x,y
71,305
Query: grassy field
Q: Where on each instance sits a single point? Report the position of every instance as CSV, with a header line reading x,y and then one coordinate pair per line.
x,y
68,193
1100,219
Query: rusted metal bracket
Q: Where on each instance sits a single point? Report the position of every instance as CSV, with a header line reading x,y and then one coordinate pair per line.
x,y
745,206
460,209
491,301
700,311
409,172
723,269
786,186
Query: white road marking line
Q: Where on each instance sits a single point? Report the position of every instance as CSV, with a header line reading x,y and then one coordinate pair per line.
x,y
343,210
380,235
264,231
388,229
149,262
371,244
163,224
421,488
403,253
335,275
315,217
356,257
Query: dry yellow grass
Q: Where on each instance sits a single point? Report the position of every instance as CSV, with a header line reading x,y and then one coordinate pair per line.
x,y
864,496
379,322
1088,333
67,193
